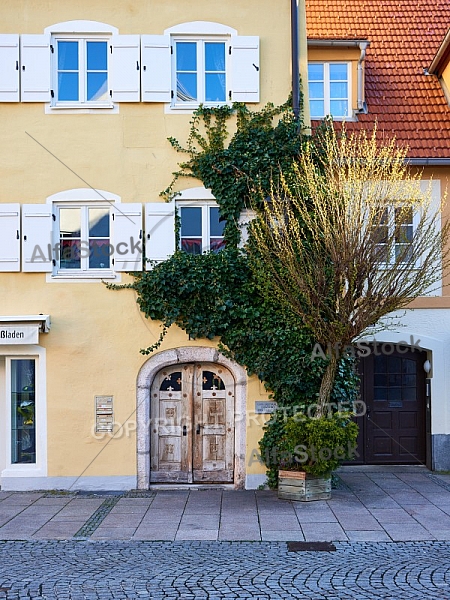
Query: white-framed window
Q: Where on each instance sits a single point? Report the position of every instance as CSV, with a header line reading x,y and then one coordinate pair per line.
x,y
394,233
201,229
82,238
80,71
200,71
21,395
23,412
81,233
329,86
208,64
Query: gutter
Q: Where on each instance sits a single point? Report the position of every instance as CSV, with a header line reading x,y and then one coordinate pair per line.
x,y
429,162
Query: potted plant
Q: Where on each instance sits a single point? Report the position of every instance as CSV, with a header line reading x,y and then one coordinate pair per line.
x,y
309,450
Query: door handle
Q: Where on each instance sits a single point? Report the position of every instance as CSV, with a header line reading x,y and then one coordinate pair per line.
x,y
184,430
368,413
198,429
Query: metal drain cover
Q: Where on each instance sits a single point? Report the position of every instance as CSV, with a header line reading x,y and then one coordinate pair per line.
x,y
311,547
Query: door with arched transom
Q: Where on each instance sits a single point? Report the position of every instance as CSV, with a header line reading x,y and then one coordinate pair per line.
x,y
192,425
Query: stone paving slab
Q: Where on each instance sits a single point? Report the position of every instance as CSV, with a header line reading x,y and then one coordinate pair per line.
x,y
397,505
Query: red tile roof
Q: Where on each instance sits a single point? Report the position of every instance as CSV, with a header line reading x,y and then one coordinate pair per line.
x,y
404,36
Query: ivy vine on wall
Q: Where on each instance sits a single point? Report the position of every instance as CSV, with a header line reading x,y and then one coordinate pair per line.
x,y
216,295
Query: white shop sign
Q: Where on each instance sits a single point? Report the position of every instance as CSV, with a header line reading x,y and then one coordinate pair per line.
x,y
19,334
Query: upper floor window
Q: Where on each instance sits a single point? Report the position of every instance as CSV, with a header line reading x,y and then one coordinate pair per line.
x,y
81,70
200,71
329,89
201,228
84,238
393,232
210,64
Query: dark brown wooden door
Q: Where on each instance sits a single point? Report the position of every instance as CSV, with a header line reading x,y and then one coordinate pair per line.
x,y
393,428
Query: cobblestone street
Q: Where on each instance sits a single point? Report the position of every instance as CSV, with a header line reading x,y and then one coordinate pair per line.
x,y
388,534
63,570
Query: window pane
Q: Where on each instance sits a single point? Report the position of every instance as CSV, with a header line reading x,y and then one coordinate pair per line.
x,y
316,108
216,244
216,227
186,56
23,421
97,56
215,87
191,221
338,90
70,222
97,86
339,108
68,56
315,72
186,87
68,86
70,254
338,72
99,251
214,56
191,245
98,222
316,90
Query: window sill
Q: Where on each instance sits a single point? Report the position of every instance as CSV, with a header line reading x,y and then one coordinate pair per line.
x,y
189,109
83,277
83,109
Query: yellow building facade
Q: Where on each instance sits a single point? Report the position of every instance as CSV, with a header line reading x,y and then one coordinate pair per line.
x,y
87,104
89,95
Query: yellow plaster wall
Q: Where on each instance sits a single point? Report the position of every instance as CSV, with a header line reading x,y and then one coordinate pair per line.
x,y
445,81
93,346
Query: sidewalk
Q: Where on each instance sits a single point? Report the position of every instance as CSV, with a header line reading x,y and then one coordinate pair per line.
x,y
370,505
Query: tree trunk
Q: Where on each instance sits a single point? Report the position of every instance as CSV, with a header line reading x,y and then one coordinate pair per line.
x,y
326,387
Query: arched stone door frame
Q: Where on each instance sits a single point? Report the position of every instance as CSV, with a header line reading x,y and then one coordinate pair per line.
x,y
188,354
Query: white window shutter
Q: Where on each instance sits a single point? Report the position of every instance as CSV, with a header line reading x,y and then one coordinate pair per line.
x,y
35,68
126,68
9,68
156,68
244,68
127,237
159,230
37,241
245,218
9,237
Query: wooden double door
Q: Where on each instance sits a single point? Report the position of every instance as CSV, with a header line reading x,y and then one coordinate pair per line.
x,y
192,425
395,425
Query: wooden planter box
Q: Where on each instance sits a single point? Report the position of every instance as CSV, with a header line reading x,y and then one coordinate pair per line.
x,y
303,487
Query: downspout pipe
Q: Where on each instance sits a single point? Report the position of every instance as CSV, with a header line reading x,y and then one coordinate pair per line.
x,y
303,61
295,60
361,104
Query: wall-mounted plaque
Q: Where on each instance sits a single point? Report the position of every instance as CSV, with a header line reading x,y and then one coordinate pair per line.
x,y
265,407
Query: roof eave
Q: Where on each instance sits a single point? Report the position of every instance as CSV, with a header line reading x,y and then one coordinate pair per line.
x,y
441,57
335,42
